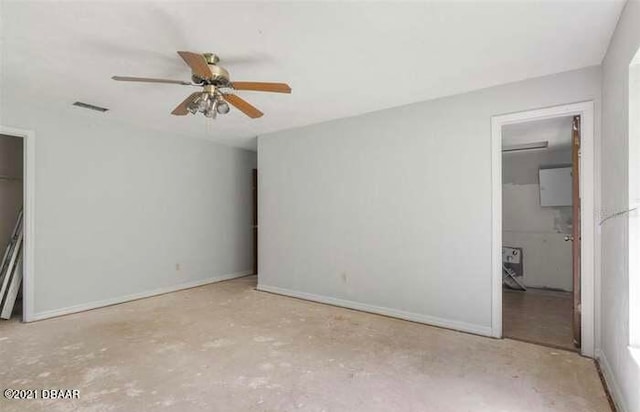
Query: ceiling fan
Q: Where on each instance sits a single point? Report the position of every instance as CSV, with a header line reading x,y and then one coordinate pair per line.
x,y
216,95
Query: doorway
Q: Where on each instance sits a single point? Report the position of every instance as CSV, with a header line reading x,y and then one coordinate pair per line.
x,y
27,182
545,291
11,226
539,210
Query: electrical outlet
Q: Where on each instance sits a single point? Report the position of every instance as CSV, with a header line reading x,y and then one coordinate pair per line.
x,y
177,267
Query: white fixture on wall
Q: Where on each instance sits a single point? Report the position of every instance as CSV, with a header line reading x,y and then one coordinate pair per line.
x,y
555,187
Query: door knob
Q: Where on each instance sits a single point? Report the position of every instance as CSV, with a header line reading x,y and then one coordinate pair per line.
x,y
568,238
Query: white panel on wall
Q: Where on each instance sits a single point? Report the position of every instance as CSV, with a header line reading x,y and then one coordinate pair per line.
x,y
555,187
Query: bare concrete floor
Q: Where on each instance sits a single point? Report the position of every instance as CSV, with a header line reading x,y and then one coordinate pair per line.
x,y
226,347
539,316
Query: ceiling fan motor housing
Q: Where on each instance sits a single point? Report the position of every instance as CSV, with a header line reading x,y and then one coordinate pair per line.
x,y
219,76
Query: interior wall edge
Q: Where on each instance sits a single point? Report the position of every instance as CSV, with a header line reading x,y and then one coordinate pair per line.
x,y
615,309
380,310
47,314
611,382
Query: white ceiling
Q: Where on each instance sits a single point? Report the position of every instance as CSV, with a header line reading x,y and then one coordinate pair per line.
x,y
556,131
341,59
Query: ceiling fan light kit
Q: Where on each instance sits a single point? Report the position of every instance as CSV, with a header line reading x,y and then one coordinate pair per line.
x,y
216,95
210,103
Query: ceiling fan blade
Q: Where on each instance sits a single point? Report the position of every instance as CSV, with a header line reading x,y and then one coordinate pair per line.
x,y
262,87
198,64
149,80
243,106
182,108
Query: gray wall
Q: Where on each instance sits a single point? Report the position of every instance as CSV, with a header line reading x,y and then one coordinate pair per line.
x,y
621,370
117,209
538,230
10,189
392,209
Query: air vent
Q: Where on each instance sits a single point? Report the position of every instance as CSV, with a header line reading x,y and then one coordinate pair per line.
x,y
90,107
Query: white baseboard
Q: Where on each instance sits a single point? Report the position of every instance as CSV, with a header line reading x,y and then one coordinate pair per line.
x,y
610,380
122,299
395,313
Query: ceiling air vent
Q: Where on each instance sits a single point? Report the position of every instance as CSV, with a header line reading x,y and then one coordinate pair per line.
x,y
90,107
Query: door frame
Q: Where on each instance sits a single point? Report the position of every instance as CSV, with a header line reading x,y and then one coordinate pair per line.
x,y
589,183
254,223
29,190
